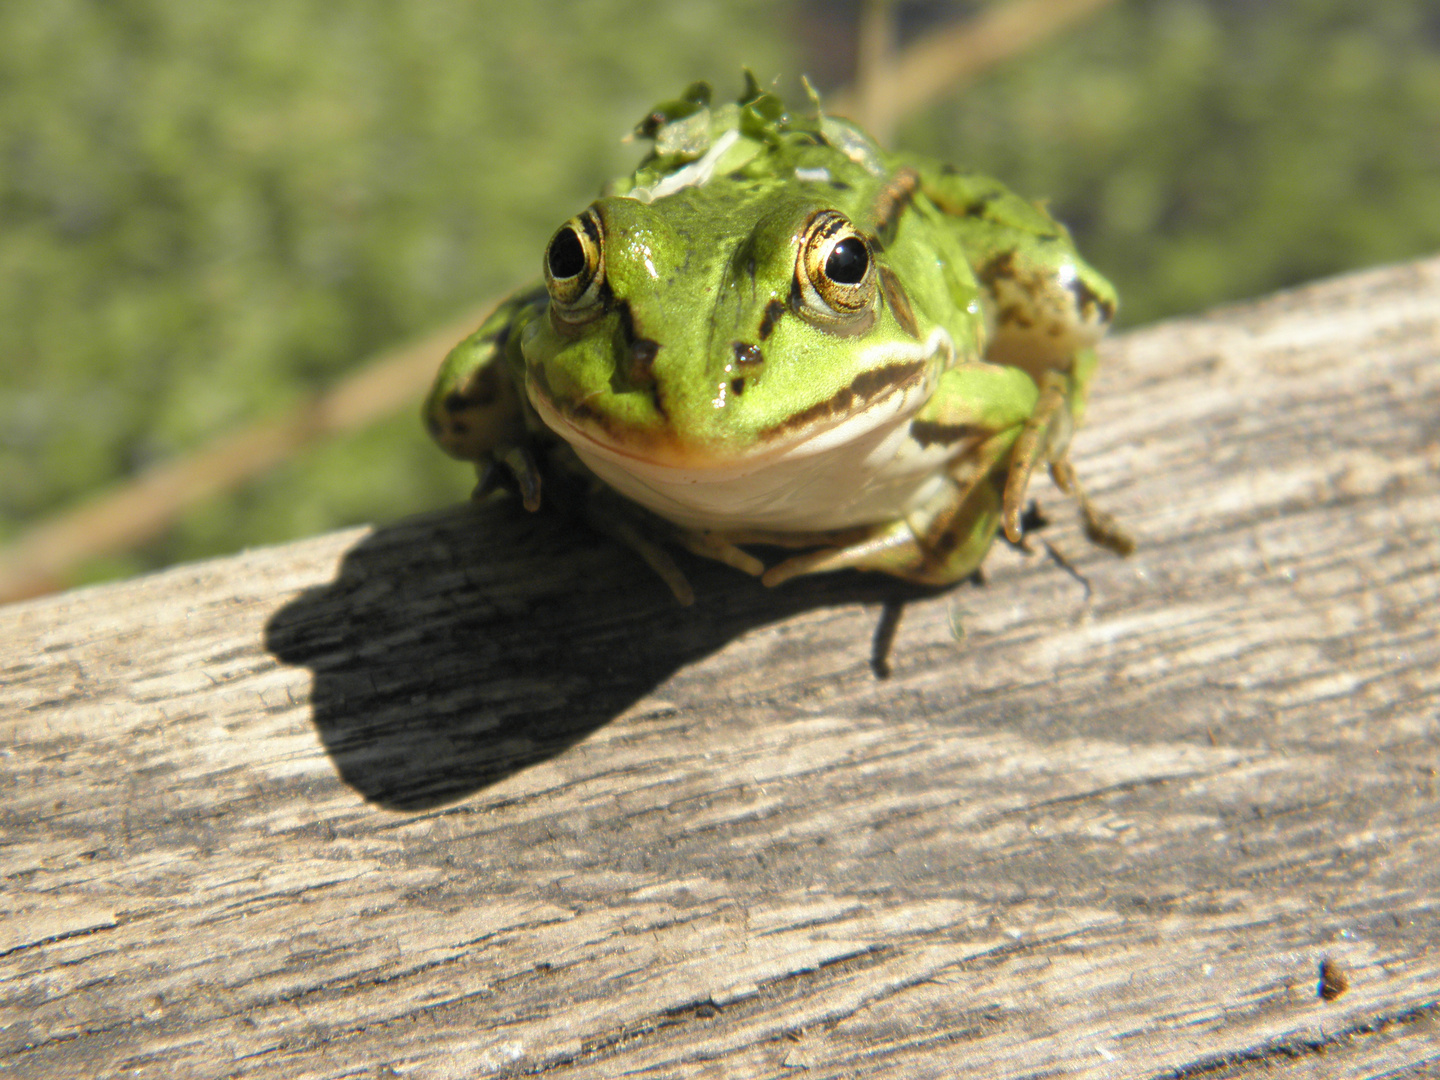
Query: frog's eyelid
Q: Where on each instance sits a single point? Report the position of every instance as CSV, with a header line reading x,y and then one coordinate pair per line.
x,y
841,306
577,297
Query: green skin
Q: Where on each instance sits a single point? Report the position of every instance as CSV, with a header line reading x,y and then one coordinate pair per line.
x,y
704,346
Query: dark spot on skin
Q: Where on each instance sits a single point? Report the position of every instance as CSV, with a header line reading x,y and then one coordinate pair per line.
x,y
737,386
459,427
1014,315
892,201
641,350
455,402
797,297
773,310
929,433
943,544
997,268
747,354
627,322
839,185
582,411
642,360
482,389
899,303
433,426
1089,301
866,386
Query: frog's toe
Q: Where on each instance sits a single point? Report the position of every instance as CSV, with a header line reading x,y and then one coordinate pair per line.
x,y
715,547
894,550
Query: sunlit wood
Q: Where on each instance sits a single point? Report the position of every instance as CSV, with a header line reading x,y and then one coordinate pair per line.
x,y
471,796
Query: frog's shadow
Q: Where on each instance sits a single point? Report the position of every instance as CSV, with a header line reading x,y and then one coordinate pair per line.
x,y
454,649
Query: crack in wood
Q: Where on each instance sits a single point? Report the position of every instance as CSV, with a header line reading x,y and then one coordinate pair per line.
x,y
1291,1049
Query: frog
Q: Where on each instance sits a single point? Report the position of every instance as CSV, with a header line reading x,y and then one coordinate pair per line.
x,y
776,335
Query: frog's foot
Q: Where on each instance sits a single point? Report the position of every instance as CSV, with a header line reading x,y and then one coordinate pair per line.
x,y
941,546
893,549
630,533
1101,528
646,535
1046,437
721,549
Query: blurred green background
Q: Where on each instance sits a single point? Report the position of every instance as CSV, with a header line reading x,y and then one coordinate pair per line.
x,y
209,210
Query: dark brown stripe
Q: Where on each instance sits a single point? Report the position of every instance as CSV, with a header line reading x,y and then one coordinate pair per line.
x,y
1087,298
773,310
865,387
590,222
899,302
929,433
892,201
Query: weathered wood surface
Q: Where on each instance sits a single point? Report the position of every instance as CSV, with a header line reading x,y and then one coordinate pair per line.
x,y
469,795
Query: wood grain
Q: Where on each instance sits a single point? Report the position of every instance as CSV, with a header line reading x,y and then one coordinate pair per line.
x,y
468,795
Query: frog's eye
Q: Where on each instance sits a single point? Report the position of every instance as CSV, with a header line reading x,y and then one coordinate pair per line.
x,y
575,268
835,274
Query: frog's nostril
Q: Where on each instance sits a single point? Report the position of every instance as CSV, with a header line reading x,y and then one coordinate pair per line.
x,y
747,354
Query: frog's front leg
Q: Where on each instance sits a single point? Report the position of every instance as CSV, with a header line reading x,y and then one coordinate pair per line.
x,y
1046,309
1045,436
476,410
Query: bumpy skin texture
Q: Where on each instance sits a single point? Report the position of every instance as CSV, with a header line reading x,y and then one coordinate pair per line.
x,y
775,333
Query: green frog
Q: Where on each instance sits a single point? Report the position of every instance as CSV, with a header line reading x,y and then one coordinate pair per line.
x,y
774,333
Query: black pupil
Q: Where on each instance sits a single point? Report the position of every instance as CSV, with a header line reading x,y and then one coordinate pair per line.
x,y
567,255
848,262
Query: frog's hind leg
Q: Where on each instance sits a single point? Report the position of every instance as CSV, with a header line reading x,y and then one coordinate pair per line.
x,y
1045,436
939,546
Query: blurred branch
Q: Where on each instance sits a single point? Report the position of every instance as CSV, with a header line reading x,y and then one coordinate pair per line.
x,y
41,559
874,64
889,85
948,58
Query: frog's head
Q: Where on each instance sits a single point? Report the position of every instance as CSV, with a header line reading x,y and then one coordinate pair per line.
x,y
731,323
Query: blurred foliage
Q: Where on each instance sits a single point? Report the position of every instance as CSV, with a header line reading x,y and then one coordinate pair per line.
x,y
207,210
1209,150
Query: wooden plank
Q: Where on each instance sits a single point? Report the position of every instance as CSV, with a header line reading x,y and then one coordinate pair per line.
x,y
470,796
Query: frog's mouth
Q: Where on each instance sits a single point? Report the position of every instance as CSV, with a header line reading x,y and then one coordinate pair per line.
x,y
873,403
